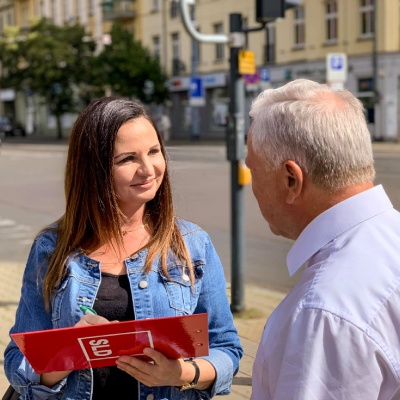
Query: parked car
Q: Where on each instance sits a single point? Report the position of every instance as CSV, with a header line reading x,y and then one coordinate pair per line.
x,y
9,128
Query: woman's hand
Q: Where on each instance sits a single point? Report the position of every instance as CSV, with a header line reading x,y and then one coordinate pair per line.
x,y
90,319
162,371
51,378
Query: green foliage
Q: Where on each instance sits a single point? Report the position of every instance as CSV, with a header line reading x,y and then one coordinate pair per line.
x,y
48,60
125,65
59,64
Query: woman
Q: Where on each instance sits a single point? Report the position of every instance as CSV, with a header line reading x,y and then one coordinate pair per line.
x,y
119,249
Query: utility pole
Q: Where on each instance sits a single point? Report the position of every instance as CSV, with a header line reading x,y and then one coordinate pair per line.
x,y
235,153
195,120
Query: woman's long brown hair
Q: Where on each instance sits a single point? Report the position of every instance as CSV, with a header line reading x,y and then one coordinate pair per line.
x,y
92,215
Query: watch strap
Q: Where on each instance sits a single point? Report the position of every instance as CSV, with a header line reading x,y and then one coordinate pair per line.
x,y
195,380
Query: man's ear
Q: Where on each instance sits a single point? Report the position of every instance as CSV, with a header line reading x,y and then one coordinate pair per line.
x,y
294,180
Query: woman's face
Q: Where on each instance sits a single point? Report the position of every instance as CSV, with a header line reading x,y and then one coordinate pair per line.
x,y
139,165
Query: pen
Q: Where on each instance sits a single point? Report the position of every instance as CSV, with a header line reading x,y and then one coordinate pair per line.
x,y
88,310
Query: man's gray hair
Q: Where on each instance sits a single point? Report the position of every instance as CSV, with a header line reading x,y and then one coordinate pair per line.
x,y
323,130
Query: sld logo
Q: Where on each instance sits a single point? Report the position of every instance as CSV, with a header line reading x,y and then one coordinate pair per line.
x,y
97,348
100,347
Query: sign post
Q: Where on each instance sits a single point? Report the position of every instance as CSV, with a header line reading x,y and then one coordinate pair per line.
x,y
196,92
336,69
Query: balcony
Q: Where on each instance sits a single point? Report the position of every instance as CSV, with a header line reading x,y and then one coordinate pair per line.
x,y
118,10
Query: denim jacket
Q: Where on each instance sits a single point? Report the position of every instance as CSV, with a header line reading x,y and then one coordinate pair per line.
x,y
154,295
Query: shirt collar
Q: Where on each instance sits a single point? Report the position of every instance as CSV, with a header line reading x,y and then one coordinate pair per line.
x,y
335,221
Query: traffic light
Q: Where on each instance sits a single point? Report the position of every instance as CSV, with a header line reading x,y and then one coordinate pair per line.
x,y
270,10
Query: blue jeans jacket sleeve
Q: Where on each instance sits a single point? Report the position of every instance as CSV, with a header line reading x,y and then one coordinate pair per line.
x,y
31,315
225,348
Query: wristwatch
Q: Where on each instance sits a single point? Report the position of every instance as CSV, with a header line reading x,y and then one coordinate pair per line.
x,y
192,384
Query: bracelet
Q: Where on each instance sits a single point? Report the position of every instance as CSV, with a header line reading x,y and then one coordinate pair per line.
x,y
192,384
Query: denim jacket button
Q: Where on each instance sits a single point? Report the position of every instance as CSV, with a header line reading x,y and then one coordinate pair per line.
x,y
150,396
143,284
134,256
185,277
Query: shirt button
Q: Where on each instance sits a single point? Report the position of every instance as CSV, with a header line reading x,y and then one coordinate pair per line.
x,y
143,284
134,257
185,277
150,396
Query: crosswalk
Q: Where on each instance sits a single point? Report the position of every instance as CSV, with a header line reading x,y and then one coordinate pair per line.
x,y
12,231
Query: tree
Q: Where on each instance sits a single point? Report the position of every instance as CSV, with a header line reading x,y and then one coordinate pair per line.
x,y
51,61
130,69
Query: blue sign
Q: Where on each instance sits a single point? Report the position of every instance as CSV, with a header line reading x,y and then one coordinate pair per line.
x,y
337,62
196,92
265,75
251,78
336,68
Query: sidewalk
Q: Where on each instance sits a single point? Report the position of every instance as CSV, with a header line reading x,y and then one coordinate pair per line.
x,y
259,304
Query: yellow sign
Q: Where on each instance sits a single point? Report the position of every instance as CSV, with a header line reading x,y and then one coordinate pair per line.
x,y
247,62
244,177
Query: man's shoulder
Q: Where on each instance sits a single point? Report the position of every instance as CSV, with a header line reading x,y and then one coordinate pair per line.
x,y
353,286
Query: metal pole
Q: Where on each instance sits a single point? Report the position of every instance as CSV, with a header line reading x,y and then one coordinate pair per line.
x,y
235,149
195,121
375,73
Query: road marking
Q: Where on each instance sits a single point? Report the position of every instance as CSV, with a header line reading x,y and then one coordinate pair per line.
x,y
11,230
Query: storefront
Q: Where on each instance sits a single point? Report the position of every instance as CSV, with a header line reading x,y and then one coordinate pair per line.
x,y
211,118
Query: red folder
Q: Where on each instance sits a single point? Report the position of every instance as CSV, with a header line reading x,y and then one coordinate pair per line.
x,y
100,345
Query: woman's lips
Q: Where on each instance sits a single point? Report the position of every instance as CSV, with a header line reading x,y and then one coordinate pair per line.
x,y
145,185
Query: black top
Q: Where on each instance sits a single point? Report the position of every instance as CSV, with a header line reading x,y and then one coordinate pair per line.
x,y
114,302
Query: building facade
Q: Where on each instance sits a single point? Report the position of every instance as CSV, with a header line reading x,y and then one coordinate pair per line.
x,y
96,16
366,31
294,47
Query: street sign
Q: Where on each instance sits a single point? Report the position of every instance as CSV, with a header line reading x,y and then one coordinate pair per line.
x,y
247,62
336,68
265,75
251,79
196,92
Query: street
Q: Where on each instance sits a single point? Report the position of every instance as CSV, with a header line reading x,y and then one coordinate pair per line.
x,y
31,196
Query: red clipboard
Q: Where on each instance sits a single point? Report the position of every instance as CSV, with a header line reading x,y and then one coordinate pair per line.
x,y
100,345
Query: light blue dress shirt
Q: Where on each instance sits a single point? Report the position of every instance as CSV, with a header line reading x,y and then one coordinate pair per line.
x,y
337,333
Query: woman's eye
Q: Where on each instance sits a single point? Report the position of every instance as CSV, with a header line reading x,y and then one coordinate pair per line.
x,y
154,151
126,159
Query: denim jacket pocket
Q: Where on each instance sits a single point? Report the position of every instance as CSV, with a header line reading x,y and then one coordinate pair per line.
x,y
182,296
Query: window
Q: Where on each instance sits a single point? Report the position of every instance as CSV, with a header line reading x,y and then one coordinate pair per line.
x,y
91,7
299,27
177,65
156,46
174,9
10,18
38,8
269,48
219,47
331,21
175,45
245,24
367,16
196,50
24,15
156,5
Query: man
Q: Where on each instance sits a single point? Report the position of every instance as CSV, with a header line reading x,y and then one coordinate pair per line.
x,y
337,333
